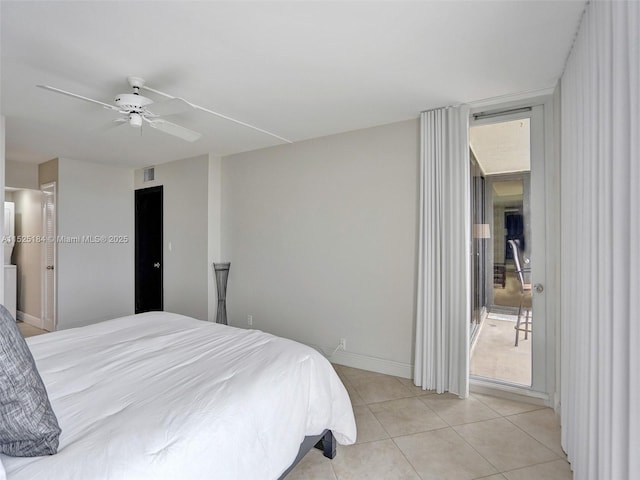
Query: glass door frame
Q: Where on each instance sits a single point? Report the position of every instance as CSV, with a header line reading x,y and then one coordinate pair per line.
x,y
478,249
545,238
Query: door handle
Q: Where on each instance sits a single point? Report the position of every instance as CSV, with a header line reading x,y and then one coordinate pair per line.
x,y
156,265
49,267
539,287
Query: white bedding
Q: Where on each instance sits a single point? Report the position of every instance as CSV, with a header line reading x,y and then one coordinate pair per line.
x,y
163,396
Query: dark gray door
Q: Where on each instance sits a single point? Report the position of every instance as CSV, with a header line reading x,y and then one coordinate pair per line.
x,y
148,231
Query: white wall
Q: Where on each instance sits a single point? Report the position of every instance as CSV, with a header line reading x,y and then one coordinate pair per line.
x,y
95,280
21,175
186,204
48,172
215,225
321,236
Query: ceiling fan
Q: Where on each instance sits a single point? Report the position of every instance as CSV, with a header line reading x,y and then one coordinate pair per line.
x,y
137,109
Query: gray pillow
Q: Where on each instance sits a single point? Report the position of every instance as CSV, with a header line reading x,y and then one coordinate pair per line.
x,y
28,426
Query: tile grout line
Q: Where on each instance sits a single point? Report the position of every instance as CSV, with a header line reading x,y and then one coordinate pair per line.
x,y
419,433
465,423
532,437
534,409
405,457
526,433
534,465
475,450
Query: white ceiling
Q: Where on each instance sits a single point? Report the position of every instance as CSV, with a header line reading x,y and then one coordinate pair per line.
x,y
298,69
508,188
503,147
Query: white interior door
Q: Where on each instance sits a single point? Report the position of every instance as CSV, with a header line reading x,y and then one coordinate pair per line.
x,y
49,320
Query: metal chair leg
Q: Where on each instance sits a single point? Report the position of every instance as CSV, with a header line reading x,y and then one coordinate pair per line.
x,y
517,327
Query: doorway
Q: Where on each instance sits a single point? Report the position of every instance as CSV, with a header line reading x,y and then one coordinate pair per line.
x,y
49,256
29,287
509,221
148,249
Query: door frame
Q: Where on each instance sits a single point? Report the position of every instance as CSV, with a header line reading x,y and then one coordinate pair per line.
x,y
49,188
545,379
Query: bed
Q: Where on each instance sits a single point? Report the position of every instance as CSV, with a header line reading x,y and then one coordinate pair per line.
x,y
163,396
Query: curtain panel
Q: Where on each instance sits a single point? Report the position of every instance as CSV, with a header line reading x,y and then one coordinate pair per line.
x,y
600,267
443,310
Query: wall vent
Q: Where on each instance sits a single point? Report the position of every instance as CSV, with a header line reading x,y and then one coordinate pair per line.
x,y
149,174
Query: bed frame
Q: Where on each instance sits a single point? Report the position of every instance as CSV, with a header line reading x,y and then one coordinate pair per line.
x,y
325,442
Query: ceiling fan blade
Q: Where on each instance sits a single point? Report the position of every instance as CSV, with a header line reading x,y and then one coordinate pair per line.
x,y
176,130
170,107
115,123
80,97
198,107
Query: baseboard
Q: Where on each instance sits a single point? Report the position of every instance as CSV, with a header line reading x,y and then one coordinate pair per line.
x,y
30,319
372,364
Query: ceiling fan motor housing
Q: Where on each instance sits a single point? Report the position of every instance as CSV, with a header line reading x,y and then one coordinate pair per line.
x,y
131,102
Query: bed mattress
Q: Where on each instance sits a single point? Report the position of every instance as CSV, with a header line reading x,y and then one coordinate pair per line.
x,y
163,396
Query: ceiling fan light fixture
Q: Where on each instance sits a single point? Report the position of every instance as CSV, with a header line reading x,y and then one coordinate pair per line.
x,y
135,120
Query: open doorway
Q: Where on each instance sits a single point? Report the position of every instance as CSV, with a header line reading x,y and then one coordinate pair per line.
x,y
22,254
29,255
502,243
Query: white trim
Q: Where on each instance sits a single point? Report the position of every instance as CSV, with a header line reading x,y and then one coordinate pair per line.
x,y
30,319
509,392
504,101
366,362
553,242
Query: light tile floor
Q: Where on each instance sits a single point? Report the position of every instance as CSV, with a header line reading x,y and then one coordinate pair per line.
x,y
29,330
406,433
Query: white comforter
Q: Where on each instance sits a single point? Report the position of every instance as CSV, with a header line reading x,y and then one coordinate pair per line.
x,y
163,396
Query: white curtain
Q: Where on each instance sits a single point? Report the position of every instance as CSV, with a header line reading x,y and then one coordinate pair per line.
x,y
444,271
600,211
